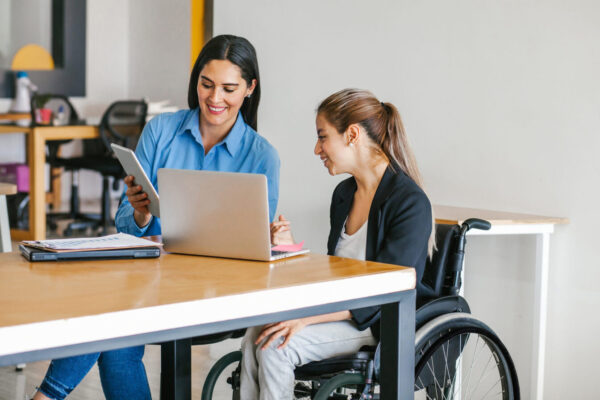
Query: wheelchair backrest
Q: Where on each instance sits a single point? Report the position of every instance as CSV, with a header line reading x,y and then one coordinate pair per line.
x,y
436,277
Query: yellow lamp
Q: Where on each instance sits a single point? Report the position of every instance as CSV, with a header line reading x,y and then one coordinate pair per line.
x,y
32,56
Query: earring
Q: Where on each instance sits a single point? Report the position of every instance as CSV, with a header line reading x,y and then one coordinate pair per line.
x,y
351,144
249,94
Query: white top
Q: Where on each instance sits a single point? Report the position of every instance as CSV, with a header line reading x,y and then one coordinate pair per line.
x,y
353,246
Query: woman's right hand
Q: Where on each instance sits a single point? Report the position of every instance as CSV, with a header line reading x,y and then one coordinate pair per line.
x,y
139,201
281,232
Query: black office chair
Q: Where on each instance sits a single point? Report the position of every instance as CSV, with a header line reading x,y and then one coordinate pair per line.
x,y
122,123
447,339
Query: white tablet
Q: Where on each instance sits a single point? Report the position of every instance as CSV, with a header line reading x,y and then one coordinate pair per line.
x,y
132,166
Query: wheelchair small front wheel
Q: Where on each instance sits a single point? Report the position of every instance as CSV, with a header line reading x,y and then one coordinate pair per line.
x,y
460,357
217,370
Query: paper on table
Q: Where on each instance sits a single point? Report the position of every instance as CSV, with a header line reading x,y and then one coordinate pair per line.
x,y
288,247
116,241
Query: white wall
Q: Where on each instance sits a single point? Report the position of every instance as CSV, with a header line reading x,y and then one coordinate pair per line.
x,y
159,50
502,103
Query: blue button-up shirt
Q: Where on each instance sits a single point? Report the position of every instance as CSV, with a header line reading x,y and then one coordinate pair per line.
x,y
173,140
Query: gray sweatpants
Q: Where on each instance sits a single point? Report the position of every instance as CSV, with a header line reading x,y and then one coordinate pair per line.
x,y
269,374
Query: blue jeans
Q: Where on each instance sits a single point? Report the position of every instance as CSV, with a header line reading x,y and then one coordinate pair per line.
x,y
122,374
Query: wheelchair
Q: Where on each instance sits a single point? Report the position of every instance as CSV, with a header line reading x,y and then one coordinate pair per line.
x,y
456,355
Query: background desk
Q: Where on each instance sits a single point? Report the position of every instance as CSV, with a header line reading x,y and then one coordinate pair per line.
x,y
14,116
505,223
52,310
36,158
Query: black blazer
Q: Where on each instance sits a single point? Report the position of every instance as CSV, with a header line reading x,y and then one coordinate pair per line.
x,y
398,230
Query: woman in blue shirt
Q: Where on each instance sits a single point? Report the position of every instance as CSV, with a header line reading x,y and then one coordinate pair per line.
x,y
217,133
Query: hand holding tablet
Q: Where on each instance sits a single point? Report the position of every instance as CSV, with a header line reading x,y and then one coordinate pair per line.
x,y
132,167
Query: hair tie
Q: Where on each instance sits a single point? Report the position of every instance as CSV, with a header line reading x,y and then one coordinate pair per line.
x,y
382,103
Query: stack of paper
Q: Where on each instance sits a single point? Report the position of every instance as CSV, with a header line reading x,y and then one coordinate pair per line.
x,y
116,241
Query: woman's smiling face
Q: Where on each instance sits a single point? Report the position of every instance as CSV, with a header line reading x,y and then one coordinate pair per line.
x,y
221,92
331,147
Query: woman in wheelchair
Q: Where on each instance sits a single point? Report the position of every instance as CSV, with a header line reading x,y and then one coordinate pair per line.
x,y
381,213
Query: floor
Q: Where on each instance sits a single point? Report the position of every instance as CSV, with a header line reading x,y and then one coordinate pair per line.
x,y
16,385
20,385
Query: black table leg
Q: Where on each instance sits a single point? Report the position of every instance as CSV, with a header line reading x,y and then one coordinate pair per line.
x,y
176,370
398,348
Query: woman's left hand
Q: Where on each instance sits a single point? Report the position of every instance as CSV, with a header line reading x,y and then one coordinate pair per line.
x,y
283,328
280,232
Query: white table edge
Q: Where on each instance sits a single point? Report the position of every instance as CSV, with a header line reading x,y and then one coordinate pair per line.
x,y
59,333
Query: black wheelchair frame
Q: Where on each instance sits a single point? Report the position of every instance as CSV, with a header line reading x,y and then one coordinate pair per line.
x,y
449,344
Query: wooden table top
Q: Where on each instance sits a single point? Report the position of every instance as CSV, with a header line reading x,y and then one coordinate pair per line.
x,y
7,188
56,132
10,116
46,291
457,215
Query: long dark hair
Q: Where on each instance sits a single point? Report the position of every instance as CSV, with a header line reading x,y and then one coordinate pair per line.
x,y
238,51
384,127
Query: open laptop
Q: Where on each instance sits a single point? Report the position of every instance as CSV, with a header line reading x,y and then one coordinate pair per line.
x,y
218,214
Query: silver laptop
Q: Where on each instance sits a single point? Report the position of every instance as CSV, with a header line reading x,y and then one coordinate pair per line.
x,y
218,214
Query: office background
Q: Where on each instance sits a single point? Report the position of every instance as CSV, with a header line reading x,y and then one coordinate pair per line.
x,y
500,99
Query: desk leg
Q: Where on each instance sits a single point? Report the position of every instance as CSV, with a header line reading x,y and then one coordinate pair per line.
x,y
540,313
5,245
398,349
176,370
56,187
36,153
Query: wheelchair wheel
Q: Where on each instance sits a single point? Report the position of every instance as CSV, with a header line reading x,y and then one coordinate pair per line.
x,y
217,370
328,389
459,357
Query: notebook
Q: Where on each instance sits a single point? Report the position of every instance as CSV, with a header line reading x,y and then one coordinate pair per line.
x,y
108,242
34,254
120,245
218,214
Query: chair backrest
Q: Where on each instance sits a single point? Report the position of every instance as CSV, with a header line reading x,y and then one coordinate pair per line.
x,y
63,112
122,123
436,280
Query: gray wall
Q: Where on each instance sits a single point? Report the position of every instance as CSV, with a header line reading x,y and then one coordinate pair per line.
x,y
501,101
107,61
135,49
22,23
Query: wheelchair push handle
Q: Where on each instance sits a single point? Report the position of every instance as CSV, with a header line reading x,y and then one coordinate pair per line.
x,y
475,223
459,254
471,223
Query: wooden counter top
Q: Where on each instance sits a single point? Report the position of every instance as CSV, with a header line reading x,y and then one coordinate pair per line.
x,y
456,215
